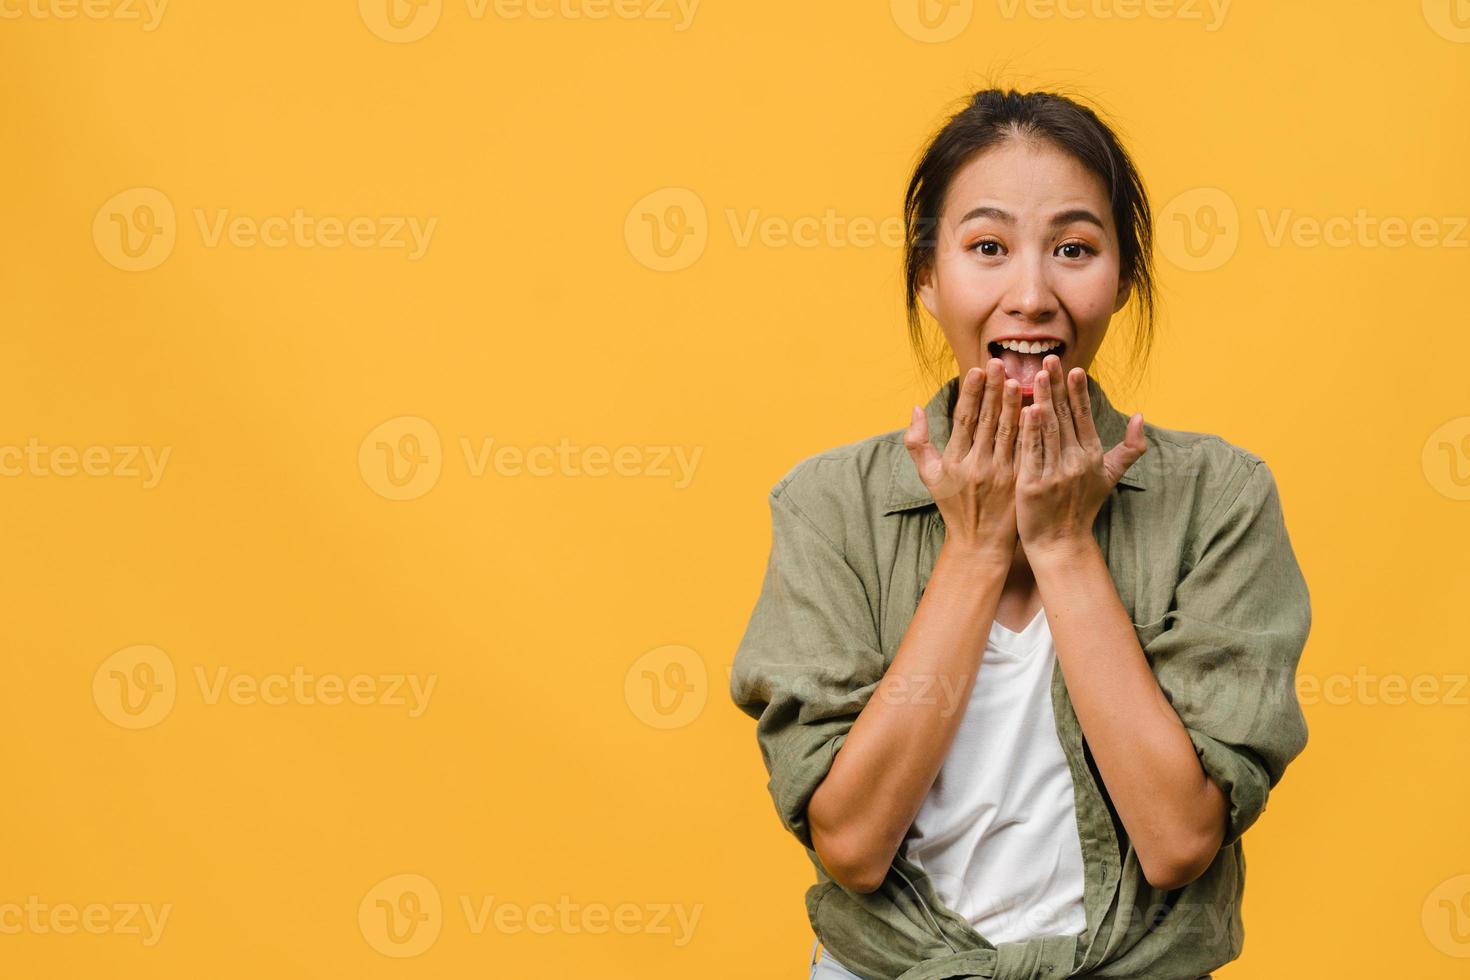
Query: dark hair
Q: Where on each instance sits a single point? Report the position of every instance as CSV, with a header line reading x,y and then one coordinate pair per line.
x,y
992,117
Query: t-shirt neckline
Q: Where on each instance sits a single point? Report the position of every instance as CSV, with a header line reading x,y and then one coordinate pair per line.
x,y
1018,644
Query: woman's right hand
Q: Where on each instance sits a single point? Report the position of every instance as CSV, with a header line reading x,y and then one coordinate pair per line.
x,y
974,480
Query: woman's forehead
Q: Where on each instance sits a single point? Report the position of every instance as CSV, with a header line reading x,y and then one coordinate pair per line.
x,y
1024,177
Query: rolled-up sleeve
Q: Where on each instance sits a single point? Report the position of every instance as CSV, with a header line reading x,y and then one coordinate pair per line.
x,y
1228,652
809,659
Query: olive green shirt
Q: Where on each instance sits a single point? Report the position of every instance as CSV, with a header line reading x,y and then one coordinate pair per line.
x,y
1197,548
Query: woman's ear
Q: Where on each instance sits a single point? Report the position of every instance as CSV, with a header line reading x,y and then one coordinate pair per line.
x,y
1125,289
927,292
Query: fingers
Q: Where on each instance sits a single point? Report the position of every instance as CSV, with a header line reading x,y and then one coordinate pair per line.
x,y
1008,425
1046,419
990,405
1128,450
966,411
1082,418
916,438
1051,394
976,409
1030,453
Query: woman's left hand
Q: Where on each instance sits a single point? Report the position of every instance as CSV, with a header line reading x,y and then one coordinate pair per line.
x,y
1063,476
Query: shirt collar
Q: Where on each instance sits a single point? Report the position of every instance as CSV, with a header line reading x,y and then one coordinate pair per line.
x,y
906,491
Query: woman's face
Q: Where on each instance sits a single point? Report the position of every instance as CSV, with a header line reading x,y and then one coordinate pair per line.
x,y
1026,250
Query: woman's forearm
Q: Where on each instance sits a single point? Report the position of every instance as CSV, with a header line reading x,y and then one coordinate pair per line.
x,y
1173,812
893,752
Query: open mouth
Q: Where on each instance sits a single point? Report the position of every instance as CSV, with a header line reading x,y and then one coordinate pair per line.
x,y
1022,359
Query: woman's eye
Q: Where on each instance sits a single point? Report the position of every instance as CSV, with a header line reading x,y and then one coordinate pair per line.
x,y
980,246
1085,249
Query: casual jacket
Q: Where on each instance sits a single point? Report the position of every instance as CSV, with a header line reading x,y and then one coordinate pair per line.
x,y
1198,551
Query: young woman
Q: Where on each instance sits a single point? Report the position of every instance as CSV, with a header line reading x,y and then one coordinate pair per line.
x,y
1024,672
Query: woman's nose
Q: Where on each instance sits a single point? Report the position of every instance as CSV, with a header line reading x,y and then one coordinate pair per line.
x,y
1029,293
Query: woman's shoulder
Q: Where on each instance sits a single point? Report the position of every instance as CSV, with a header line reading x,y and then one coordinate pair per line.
x,y
852,481
1207,446
851,466
1202,472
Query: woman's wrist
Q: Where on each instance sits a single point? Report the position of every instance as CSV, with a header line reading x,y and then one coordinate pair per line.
x,y
975,559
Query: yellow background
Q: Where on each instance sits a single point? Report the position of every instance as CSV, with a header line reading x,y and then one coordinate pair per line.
x,y
544,768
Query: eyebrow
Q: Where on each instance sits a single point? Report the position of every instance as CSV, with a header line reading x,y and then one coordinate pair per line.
x,y
1057,220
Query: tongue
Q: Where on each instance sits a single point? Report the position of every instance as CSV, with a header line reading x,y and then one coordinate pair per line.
x,y
1022,367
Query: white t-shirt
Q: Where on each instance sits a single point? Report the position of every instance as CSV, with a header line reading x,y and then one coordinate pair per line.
x,y
997,832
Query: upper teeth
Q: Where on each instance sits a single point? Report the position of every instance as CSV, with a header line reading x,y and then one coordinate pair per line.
x,y
1030,347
